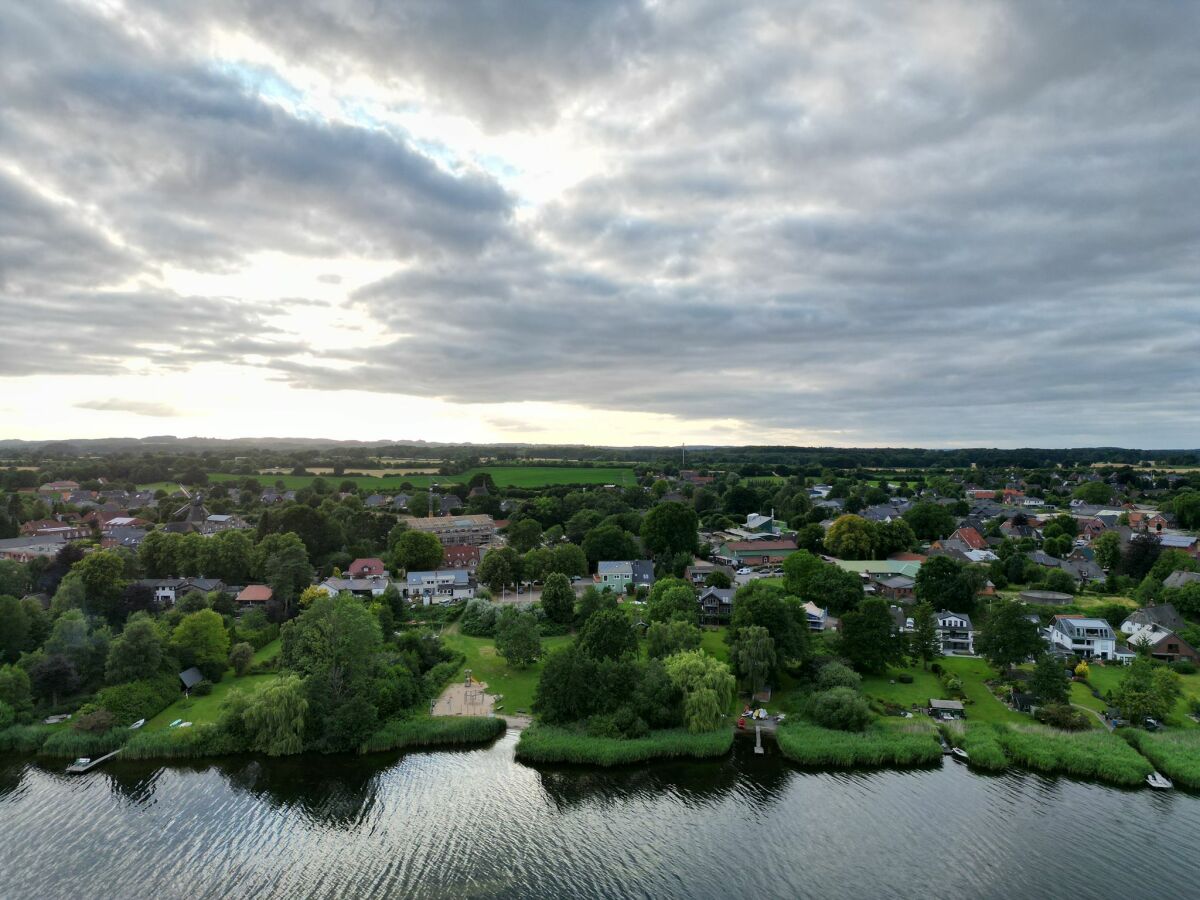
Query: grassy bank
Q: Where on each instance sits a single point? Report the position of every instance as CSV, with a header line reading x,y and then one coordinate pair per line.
x,y
910,744
1084,754
548,744
71,744
427,731
981,704
182,743
1176,755
24,738
201,710
980,740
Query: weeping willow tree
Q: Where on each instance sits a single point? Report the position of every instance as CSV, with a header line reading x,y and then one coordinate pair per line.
x,y
275,719
708,688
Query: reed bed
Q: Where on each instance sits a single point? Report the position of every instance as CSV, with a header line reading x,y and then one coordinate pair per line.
x,y
430,731
548,744
912,744
1084,754
1176,755
67,742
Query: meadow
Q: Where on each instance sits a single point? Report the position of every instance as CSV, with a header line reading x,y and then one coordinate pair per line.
x,y
504,476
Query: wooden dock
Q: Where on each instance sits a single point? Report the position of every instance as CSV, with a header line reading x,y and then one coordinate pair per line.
x,y
76,769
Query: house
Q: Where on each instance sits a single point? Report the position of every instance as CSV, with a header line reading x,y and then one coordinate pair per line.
x,y
190,678
1079,635
439,586
1188,543
1163,643
969,536
757,553
697,573
756,522
1140,520
819,619
894,587
369,586
461,556
375,501
1163,615
1179,578
255,595
55,528
955,633
60,488
219,522
946,709
902,622
166,590
616,574
693,477
716,604
369,567
474,530
23,549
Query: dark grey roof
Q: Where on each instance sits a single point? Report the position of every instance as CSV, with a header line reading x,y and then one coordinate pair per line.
x,y
1179,579
1164,614
191,677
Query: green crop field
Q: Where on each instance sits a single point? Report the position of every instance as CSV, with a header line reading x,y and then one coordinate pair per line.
x,y
504,476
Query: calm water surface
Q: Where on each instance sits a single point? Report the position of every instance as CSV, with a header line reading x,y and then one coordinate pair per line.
x,y
478,824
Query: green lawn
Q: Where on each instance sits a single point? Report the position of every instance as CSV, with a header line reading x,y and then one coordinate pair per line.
x,y
486,665
713,643
982,706
198,710
504,476
268,651
1081,696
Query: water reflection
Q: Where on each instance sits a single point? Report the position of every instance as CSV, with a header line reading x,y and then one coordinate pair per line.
x,y
476,823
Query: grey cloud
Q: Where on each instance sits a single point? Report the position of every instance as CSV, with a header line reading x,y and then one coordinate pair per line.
x,y
138,408
970,223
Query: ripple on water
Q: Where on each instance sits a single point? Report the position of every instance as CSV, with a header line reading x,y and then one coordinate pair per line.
x,y
478,824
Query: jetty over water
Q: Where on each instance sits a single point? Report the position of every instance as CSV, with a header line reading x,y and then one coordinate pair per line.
x,y
78,767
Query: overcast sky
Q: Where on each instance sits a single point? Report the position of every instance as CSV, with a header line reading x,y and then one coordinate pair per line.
x,y
937,224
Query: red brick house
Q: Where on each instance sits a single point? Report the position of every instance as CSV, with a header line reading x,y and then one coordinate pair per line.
x,y
460,556
366,568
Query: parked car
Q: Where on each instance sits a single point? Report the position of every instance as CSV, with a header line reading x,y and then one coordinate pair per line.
x,y
744,570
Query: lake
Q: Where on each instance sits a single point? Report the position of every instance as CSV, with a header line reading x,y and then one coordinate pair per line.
x,y
478,824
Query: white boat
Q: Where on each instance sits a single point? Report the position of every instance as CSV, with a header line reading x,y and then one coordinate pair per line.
x,y
185,724
176,723
959,753
1159,782
138,724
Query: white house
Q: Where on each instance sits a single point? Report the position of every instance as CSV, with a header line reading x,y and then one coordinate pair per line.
x,y
440,586
955,633
1081,636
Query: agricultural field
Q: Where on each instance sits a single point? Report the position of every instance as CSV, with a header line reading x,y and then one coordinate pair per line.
x,y
504,476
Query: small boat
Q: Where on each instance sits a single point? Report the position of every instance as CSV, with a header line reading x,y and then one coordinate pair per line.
x,y
959,753
138,724
176,723
185,724
1159,782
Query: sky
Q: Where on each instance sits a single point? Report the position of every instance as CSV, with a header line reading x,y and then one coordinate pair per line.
x,y
613,222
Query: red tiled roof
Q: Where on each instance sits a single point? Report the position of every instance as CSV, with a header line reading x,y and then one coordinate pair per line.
x,y
369,566
971,537
255,593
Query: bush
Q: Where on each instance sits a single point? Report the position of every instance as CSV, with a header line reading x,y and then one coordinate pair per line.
x,y
479,618
427,731
96,722
138,699
810,745
241,657
203,688
436,678
841,708
1184,667
1064,716
548,744
835,674
951,684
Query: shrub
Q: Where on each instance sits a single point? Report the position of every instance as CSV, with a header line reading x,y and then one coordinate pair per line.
x,y
1064,716
479,618
203,688
835,674
1184,667
810,745
241,657
426,731
841,708
138,699
548,744
435,679
95,722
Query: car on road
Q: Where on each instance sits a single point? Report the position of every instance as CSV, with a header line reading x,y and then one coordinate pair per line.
x,y
744,570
